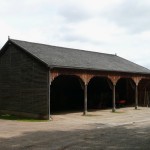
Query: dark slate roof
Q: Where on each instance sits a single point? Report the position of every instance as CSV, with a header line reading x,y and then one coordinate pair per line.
x,y
55,56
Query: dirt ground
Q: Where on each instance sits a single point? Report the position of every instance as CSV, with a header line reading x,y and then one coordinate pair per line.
x,y
127,129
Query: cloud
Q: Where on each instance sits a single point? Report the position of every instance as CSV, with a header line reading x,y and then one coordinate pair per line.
x,y
74,13
131,14
109,26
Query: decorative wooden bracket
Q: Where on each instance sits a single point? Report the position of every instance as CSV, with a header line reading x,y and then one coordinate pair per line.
x,y
114,79
86,78
137,80
53,75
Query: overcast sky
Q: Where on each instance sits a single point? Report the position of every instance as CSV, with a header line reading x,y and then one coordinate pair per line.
x,y
108,26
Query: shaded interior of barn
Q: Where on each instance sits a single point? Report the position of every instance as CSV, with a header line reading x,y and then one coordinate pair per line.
x,y
125,91
67,93
99,93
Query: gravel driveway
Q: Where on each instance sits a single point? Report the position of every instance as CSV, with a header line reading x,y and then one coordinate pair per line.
x,y
99,130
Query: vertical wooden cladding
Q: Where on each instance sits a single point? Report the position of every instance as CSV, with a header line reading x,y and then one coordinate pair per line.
x,y
5,80
23,82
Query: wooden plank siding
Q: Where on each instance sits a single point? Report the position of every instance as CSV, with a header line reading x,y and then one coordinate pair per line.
x,y
23,83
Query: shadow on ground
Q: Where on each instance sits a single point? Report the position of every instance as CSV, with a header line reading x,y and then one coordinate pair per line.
x,y
98,138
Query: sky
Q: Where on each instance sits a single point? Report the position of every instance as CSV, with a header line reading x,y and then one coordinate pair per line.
x,y
119,27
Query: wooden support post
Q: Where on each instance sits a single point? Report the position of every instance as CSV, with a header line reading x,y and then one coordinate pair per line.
x,y
136,80
49,91
85,99
85,78
114,80
114,98
136,96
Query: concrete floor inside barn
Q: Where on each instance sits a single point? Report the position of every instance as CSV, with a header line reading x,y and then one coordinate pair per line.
x,y
125,129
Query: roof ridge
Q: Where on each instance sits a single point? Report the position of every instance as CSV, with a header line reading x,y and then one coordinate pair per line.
x,y
69,48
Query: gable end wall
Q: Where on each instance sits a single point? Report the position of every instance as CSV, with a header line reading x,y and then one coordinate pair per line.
x,y
23,83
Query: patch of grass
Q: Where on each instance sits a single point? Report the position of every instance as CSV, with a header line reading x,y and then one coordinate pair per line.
x,y
17,118
118,112
90,115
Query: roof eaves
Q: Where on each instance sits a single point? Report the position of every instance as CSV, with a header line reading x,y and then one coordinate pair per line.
x,y
92,69
133,63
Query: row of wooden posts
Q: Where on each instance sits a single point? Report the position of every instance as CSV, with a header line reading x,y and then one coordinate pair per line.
x,y
114,98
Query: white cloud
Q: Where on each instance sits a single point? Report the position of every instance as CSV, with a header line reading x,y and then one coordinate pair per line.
x,y
110,26
132,15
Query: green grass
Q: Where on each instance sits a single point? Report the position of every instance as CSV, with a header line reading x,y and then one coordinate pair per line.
x,y
90,115
17,118
118,112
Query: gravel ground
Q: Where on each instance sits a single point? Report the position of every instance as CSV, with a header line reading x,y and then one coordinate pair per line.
x,y
126,129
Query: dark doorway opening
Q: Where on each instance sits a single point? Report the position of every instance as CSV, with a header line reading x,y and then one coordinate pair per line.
x,y
99,93
125,92
66,94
